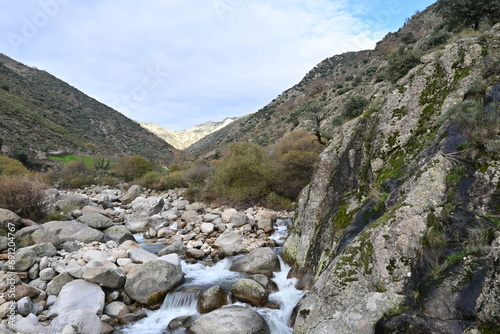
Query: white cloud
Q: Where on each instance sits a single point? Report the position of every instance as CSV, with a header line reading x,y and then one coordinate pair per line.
x,y
216,65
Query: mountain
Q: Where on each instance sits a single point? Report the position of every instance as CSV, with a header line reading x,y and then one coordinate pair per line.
x,y
184,138
399,228
331,82
42,113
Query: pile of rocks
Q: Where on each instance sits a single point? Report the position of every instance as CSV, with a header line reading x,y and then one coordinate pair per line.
x,y
87,273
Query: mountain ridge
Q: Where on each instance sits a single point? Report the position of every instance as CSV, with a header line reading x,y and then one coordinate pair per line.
x,y
182,139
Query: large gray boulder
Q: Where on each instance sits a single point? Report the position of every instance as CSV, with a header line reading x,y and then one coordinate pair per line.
x,y
131,194
147,205
24,259
69,202
230,320
9,219
248,291
78,295
239,219
73,231
95,220
147,282
138,222
118,233
260,261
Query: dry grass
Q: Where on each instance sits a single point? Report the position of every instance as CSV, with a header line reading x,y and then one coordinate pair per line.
x,y
23,195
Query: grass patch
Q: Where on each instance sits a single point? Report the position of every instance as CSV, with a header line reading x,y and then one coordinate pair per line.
x,y
68,158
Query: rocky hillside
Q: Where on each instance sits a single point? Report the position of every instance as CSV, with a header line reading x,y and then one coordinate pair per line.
x,y
42,113
398,231
184,138
317,101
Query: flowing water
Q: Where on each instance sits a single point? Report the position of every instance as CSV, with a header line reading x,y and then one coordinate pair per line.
x,y
199,277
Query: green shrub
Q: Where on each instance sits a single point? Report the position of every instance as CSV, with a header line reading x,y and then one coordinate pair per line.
x,y
243,175
296,154
131,167
354,106
23,195
9,166
437,39
152,180
402,61
74,174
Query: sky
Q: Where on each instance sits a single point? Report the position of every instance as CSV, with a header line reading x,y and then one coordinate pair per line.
x,y
180,63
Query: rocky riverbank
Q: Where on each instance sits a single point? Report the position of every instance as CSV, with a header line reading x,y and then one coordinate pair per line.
x,y
88,274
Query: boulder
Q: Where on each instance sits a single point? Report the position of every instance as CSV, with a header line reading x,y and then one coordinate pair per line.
x,y
73,230
78,295
9,220
69,202
140,255
207,228
47,274
41,236
45,249
238,219
24,306
94,255
211,299
228,238
138,222
24,259
177,247
194,253
210,217
264,224
265,281
226,215
230,320
105,276
172,258
118,233
116,310
190,216
249,291
132,193
151,278
55,286
83,322
24,290
261,260
147,205
95,220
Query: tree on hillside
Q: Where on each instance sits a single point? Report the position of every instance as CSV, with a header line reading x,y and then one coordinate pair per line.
x,y
469,13
314,110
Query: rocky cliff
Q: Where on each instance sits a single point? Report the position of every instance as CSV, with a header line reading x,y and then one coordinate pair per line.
x,y
184,138
394,233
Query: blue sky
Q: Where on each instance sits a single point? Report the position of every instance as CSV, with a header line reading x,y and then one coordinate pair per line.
x,y
184,62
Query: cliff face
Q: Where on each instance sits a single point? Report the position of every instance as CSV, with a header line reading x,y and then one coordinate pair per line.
x,y
394,232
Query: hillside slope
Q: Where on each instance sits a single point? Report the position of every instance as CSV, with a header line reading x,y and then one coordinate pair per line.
x,y
184,138
331,83
42,113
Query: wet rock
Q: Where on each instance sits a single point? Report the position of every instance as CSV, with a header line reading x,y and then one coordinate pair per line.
x,y
211,299
152,277
179,322
249,291
265,281
259,261
230,320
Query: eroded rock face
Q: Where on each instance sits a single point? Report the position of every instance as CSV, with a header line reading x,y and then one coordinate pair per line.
x,y
230,320
152,278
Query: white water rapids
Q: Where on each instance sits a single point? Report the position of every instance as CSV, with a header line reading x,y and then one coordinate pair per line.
x,y
199,277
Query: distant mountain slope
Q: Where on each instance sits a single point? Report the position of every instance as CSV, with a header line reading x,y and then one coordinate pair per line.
x,y
184,138
40,112
332,83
